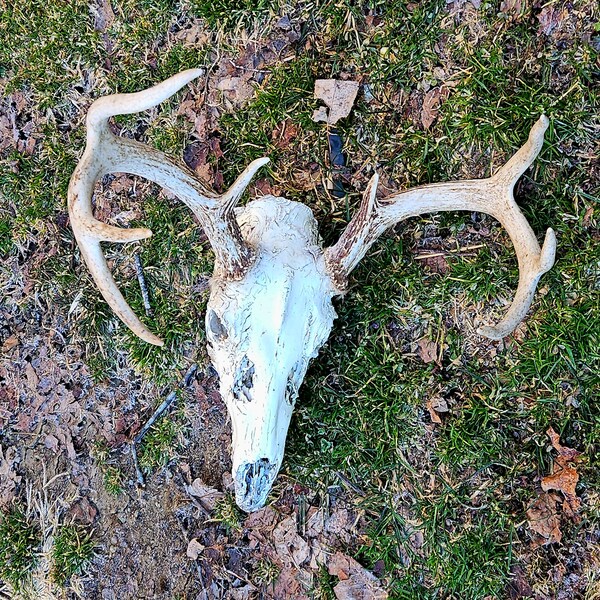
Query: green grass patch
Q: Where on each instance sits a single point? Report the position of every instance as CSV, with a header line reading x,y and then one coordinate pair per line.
x,y
72,550
20,541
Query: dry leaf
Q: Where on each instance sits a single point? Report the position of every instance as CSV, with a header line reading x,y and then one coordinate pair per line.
x,y
564,476
339,96
103,15
435,406
567,453
427,350
194,549
587,217
207,495
284,133
31,375
436,263
544,520
288,586
431,102
10,343
356,583
8,477
291,548
511,7
564,479
551,18
236,89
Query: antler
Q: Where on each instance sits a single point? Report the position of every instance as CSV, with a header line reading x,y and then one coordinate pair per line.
x,y
106,153
493,196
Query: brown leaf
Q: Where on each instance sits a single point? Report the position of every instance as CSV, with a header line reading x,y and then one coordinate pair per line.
x,y
434,406
551,18
195,35
564,479
563,451
564,475
587,217
284,133
206,494
10,343
8,477
307,179
32,378
518,586
511,7
431,103
427,350
291,547
436,263
84,511
236,89
288,585
356,583
339,96
194,549
544,520
103,15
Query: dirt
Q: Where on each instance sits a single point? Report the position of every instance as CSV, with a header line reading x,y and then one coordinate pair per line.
x,y
54,415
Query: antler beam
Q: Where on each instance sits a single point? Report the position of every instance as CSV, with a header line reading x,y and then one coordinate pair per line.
x,y
106,153
493,196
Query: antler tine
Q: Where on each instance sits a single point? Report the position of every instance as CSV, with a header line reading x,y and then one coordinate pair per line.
x,y
493,196
106,153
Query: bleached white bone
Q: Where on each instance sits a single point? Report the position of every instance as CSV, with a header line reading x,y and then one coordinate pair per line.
x,y
270,308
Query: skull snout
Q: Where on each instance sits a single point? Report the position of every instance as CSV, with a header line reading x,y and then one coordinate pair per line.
x,y
253,482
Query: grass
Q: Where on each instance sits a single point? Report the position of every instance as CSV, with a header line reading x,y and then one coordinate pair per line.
x,y
72,550
20,542
159,445
112,475
463,484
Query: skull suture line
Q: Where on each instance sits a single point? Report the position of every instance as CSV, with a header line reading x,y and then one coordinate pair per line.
x,y
270,307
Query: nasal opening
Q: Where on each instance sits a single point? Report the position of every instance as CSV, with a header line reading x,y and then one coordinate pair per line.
x,y
253,482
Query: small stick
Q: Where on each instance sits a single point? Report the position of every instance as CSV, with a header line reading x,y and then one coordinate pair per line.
x,y
187,379
136,464
143,286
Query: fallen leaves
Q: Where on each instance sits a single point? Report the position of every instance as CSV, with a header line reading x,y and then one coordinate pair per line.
x,y
427,350
19,124
194,549
356,583
284,133
543,515
544,520
207,495
238,90
339,96
431,105
8,476
564,476
9,344
434,406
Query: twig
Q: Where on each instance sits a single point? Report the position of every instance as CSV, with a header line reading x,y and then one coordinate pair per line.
x,y
138,472
187,379
143,286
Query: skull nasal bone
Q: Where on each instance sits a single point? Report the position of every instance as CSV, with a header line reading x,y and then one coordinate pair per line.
x,y
253,482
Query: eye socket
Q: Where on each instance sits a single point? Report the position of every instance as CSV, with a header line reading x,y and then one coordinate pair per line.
x,y
215,326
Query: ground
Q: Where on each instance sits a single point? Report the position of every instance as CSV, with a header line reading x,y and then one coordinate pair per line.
x,y
423,460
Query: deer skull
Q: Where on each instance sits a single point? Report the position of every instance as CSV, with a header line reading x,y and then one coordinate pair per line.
x,y
270,308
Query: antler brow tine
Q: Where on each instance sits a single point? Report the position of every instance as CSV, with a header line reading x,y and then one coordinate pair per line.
x,y
106,153
493,196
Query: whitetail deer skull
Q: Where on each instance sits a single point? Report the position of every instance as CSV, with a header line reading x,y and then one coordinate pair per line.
x,y
270,308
